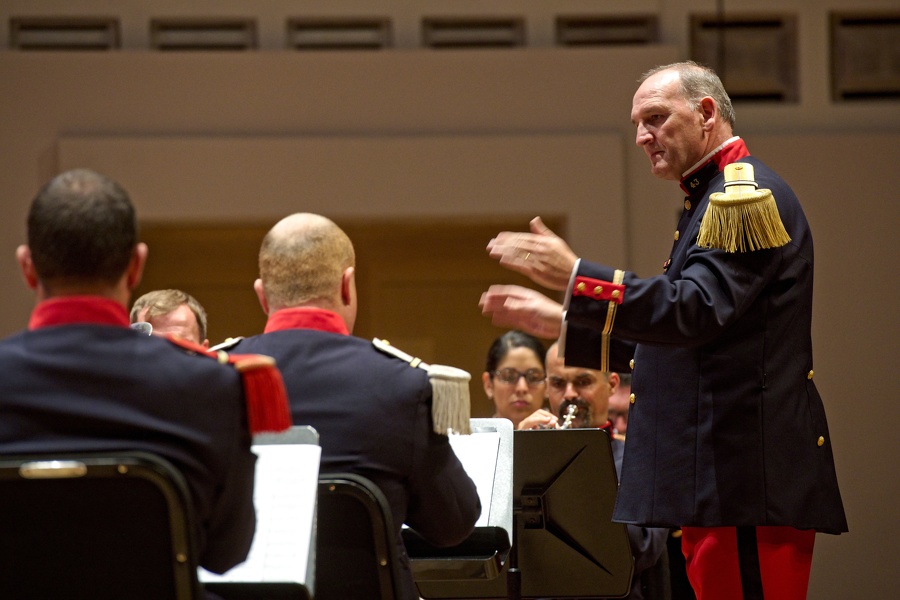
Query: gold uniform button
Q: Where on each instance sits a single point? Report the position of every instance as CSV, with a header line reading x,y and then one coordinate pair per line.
x,y
810,374
615,293
687,205
676,235
631,399
580,287
821,441
631,364
598,290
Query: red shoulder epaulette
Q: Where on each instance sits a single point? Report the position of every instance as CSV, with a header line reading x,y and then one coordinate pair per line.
x,y
267,401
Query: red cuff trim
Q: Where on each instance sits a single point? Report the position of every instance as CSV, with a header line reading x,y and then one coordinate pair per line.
x,y
599,289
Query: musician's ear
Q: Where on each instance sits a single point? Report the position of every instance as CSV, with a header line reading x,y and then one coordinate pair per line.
x,y
614,381
261,295
488,384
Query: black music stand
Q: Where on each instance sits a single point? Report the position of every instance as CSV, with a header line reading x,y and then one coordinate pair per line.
x,y
564,544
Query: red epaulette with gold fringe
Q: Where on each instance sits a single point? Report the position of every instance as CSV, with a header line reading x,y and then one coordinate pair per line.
x,y
267,401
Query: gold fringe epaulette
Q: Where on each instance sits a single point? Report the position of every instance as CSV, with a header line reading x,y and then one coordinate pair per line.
x,y
451,405
264,391
742,218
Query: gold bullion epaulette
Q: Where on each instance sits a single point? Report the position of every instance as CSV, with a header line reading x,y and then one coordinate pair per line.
x,y
742,218
450,407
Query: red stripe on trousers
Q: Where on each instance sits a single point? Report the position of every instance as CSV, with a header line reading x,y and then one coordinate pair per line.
x,y
714,569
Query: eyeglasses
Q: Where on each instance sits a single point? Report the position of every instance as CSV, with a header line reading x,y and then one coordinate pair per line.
x,y
579,382
511,376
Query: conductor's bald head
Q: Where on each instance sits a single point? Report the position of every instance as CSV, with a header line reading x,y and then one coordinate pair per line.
x,y
307,260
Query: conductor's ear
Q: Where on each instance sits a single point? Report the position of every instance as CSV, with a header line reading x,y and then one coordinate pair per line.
x,y
709,112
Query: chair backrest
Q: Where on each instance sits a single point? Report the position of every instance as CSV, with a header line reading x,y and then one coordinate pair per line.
x,y
356,552
97,526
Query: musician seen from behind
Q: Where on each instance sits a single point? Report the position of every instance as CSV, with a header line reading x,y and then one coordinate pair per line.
x,y
171,312
580,398
372,410
727,434
80,380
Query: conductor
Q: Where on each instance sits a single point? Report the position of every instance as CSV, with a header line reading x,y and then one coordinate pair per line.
x,y
727,434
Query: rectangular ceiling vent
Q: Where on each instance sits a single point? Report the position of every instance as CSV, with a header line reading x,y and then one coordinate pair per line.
x,y
203,34
865,56
754,55
456,32
606,31
339,33
64,33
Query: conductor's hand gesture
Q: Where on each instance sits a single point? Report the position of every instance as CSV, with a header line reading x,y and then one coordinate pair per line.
x,y
541,255
518,307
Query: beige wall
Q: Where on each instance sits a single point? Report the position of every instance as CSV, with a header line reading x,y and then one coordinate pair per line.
x,y
188,135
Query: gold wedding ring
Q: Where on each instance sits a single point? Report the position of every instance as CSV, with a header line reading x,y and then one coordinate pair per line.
x,y
527,254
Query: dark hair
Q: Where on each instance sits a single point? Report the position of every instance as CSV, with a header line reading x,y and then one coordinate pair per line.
x,y
509,340
81,227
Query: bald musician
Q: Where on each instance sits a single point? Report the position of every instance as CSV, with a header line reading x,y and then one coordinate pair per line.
x,y
372,410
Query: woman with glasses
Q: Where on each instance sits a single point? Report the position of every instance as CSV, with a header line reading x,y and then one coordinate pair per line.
x,y
514,378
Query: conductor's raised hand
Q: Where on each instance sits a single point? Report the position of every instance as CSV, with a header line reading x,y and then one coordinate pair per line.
x,y
540,255
517,307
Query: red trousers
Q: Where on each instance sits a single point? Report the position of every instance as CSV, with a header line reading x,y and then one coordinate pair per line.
x,y
748,563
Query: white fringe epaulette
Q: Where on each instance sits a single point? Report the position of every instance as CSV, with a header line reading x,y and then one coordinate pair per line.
x,y
451,405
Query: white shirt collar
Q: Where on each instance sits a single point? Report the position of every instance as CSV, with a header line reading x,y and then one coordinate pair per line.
x,y
703,160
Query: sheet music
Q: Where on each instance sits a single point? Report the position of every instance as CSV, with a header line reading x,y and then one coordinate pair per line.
x,y
285,496
478,454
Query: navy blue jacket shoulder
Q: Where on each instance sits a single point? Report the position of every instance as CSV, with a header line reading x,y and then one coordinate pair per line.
x,y
83,388
373,415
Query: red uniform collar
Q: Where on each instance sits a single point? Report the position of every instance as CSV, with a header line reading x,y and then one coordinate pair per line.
x,y
306,318
729,152
71,310
607,427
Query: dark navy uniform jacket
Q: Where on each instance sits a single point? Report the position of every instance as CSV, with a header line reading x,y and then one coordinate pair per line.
x,y
726,427
373,415
97,385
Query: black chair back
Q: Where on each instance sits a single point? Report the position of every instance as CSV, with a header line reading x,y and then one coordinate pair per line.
x,y
356,552
97,526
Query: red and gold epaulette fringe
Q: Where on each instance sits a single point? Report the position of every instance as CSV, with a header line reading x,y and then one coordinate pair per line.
x,y
267,402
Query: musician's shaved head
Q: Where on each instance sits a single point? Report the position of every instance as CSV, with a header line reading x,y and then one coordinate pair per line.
x,y
303,261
